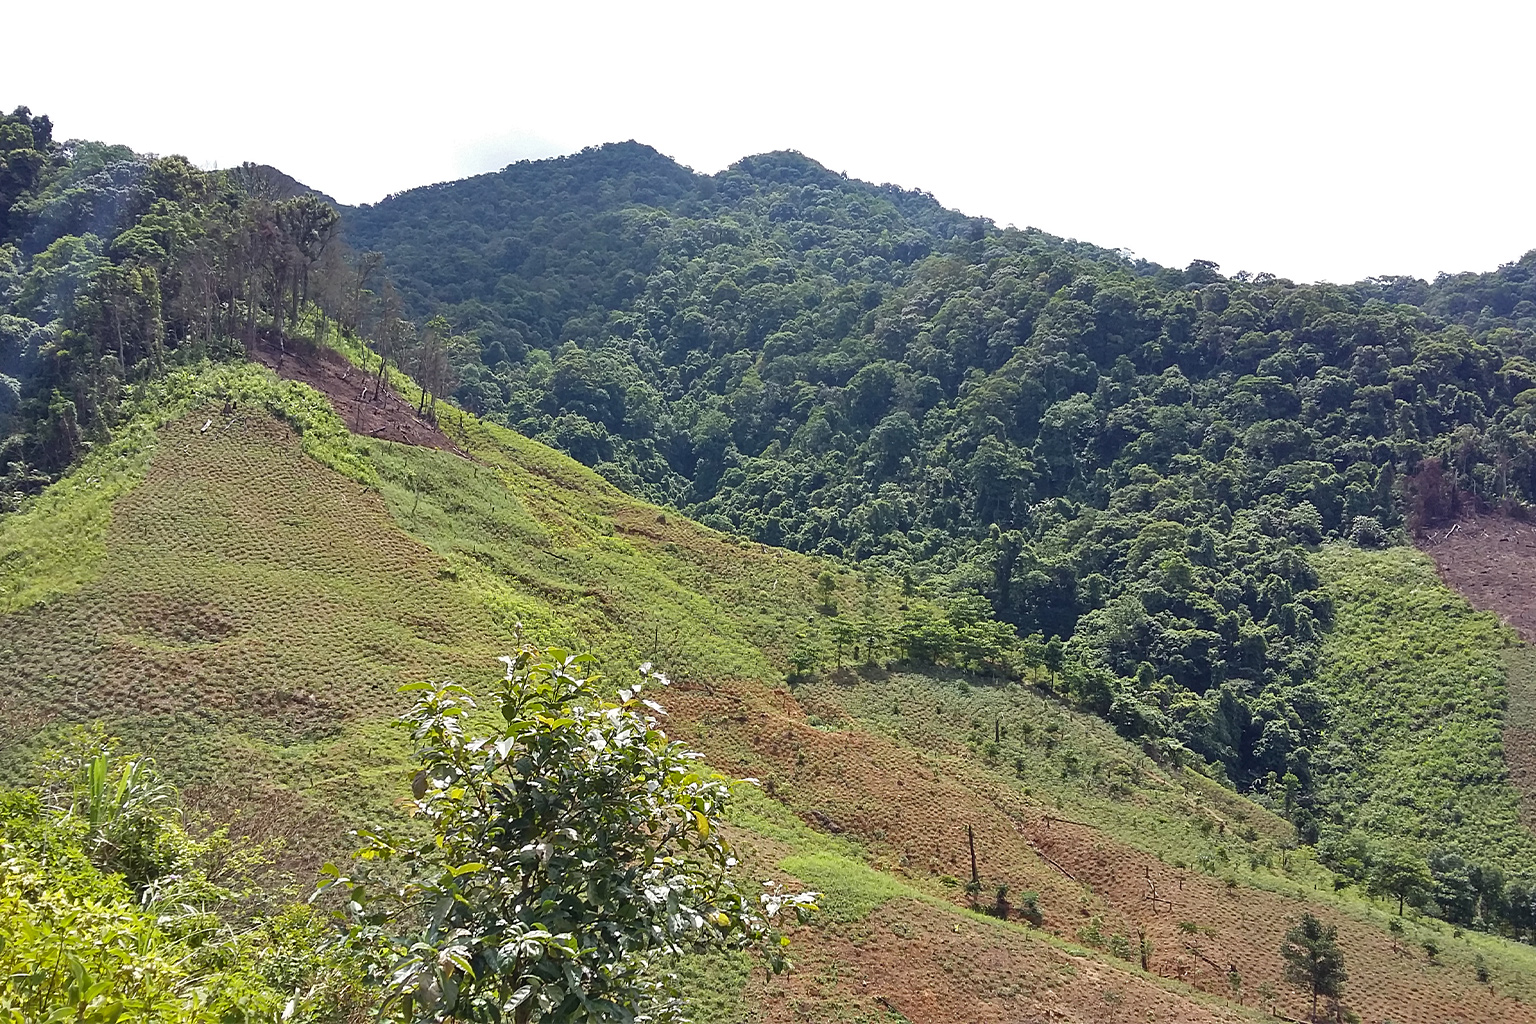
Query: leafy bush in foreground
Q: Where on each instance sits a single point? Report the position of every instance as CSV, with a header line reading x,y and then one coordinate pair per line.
x,y
108,915
572,855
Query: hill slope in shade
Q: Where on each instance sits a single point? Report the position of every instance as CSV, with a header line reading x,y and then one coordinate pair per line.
x,y
254,609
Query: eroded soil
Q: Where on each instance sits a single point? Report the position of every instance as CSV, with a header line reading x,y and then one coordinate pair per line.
x,y
930,968
1491,560
354,395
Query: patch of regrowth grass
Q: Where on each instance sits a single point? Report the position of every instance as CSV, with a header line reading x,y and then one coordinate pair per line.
x,y
1416,680
851,891
55,543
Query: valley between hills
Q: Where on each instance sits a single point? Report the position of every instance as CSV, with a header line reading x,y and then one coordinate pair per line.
x,y
1082,624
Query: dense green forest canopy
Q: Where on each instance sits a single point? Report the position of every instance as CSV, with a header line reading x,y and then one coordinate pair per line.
x,y
1126,456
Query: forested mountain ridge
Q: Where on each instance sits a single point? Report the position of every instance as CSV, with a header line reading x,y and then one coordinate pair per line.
x,y
1124,456
231,572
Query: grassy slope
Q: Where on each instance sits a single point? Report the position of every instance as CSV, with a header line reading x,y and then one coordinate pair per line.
x,y
249,612
58,543
1419,682
1520,727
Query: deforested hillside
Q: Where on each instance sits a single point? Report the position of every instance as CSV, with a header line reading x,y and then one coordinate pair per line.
x,y
1059,605
261,584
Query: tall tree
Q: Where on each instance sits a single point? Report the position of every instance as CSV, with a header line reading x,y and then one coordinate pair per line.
x,y
1402,875
1313,961
308,224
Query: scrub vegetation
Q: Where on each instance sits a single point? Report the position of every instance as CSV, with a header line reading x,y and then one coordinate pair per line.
x,y
1058,607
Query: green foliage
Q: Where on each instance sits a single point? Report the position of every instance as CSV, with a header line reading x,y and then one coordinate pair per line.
x,y
127,814
1104,450
1124,463
1029,910
1403,877
572,855
74,945
806,656
79,944
115,268
1313,961
826,588
1416,712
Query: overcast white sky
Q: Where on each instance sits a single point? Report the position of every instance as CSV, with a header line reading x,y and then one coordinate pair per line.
x,y
1314,140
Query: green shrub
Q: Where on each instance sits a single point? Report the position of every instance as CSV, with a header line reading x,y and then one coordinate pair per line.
x,y
78,944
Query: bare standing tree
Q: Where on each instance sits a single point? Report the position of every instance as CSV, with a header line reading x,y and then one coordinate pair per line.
x,y
391,334
434,370
345,284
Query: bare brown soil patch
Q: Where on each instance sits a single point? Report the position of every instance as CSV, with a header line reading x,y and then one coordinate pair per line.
x,y
1243,928
898,803
353,394
1491,560
890,797
910,957
913,959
